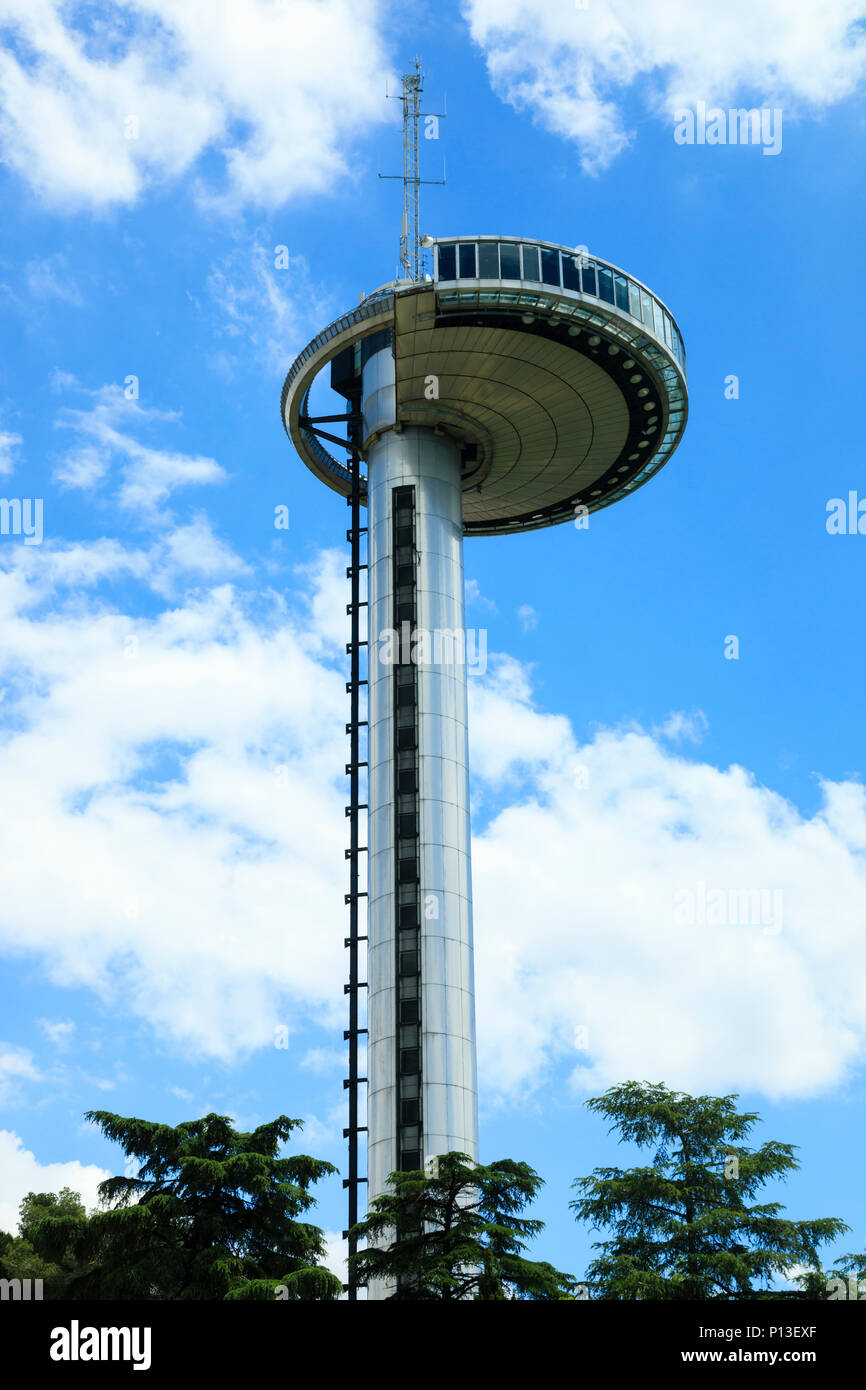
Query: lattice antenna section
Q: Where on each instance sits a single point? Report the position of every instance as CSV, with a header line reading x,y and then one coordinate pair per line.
x,y
412,265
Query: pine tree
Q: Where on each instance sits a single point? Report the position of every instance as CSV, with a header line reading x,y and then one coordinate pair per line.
x,y
686,1226
457,1233
212,1214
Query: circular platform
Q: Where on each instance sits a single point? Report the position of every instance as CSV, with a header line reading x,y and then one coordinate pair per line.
x,y
561,378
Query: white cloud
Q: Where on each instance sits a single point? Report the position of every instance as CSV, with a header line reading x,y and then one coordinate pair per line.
x,y
16,1065
21,1172
50,279
62,381
58,1031
35,576
317,1134
94,113
681,727
83,467
527,616
181,554
194,549
265,310
189,785
101,1083
474,595
337,1256
575,69
151,475
322,587
583,959
185,772
9,443
323,1061
524,738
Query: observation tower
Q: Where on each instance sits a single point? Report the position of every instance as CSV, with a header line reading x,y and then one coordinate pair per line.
x,y
509,385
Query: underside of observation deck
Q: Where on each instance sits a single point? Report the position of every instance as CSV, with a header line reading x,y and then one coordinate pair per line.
x,y
555,406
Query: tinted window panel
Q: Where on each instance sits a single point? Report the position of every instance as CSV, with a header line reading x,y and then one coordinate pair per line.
x,y
550,267
605,284
408,962
646,309
587,276
570,273
531,269
658,317
668,335
467,262
633,300
509,260
621,289
409,1057
447,262
488,260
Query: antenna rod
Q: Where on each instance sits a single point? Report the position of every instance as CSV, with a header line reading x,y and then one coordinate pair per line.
x,y
410,239
411,253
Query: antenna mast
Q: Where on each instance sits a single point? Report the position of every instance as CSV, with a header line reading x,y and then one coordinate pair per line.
x,y
411,252
410,239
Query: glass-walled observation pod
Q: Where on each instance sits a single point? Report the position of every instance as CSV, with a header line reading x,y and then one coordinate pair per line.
x,y
534,266
600,350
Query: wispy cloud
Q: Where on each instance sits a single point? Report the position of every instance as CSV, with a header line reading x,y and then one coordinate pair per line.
x,y
9,444
58,1031
527,617
16,1066
680,727
106,435
50,279
475,596
264,305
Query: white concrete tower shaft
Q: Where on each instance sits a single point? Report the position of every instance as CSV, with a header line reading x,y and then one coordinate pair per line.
x,y
422,1097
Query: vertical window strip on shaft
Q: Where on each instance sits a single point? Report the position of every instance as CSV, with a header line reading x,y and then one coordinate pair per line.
x,y
407,890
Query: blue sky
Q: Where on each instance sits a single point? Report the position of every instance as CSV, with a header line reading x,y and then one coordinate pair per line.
x,y
173,692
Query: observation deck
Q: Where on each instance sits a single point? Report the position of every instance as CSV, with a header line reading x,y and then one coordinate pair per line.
x,y
560,378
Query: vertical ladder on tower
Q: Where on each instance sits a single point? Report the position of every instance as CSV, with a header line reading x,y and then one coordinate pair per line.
x,y
357,648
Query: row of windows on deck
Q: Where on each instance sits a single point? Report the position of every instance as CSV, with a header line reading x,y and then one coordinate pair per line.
x,y
509,260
